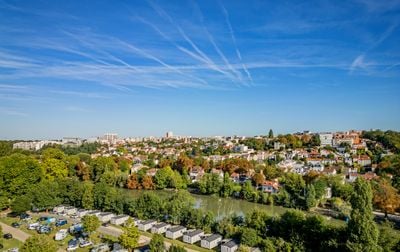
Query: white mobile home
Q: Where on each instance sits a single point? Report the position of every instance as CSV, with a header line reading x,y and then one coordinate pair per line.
x,y
146,225
70,210
175,232
82,212
211,241
94,212
193,236
119,219
58,209
230,246
105,217
160,228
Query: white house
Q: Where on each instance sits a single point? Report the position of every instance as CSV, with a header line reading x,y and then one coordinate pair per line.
x,y
119,219
326,139
193,236
175,232
70,210
160,228
146,225
211,241
230,246
105,217
270,186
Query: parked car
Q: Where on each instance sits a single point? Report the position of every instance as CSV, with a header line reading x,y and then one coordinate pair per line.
x,y
42,218
44,229
25,216
85,243
34,226
8,236
61,222
100,248
15,225
61,235
13,250
73,244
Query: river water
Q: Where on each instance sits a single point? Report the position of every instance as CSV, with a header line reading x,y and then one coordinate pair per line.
x,y
220,207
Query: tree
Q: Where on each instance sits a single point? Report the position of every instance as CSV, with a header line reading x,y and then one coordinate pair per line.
x,y
39,243
270,134
21,204
362,231
147,182
148,206
45,195
249,237
129,239
176,248
177,205
157,243
163,177
90,223
210,183
386,197
133,182
258,179
87,197
311,201
101,165
17,173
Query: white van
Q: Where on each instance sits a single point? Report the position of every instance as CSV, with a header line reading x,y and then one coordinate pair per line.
x,y
33,226
61,234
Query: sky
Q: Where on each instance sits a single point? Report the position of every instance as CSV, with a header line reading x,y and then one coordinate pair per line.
x,y
197,68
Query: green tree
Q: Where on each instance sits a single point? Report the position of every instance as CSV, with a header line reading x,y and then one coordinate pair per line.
x,y
157,243
163,177
101,165
90,223
5,148
227,186
45,195
148,206
362,232
270,134
87,197
178,204
21,204
39,243
210,183
249,237
311,200
129,239
54,168
18,173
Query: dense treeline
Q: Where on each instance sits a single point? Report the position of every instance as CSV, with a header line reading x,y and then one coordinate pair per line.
x,y
389,139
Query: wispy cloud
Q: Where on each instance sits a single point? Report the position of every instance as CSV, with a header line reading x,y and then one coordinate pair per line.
x,y
12,112
239,55
77,109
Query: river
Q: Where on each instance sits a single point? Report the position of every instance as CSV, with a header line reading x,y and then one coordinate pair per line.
x,y
222,207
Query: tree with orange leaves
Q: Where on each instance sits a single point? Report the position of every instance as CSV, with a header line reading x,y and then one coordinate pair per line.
x,y
386,197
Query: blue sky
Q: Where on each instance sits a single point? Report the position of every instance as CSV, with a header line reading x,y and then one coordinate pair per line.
x,y
137,68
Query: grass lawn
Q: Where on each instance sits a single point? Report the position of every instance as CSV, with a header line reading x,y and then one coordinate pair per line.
x,y
11,243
